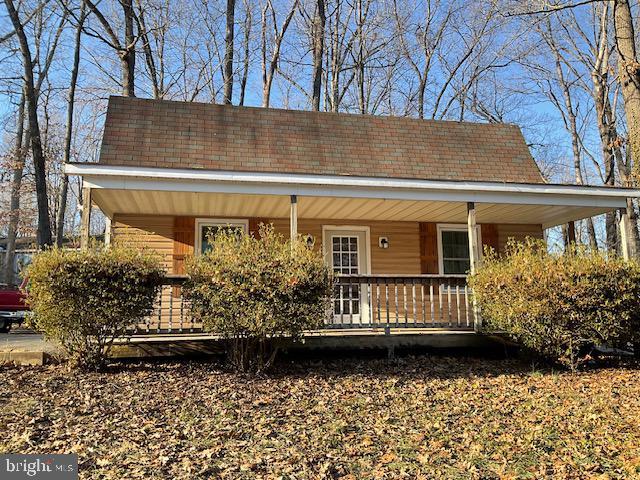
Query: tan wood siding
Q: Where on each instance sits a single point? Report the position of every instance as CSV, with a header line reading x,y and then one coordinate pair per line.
x,y
402,256
154,232
518,232
411,245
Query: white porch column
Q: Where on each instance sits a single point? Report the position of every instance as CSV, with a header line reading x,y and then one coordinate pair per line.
x,y
293,218
107,231
626,249
85,219
474,259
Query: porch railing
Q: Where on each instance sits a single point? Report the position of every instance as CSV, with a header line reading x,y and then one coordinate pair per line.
x,y
397,301
359,301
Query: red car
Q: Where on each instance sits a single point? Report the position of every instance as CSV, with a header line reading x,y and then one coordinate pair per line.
x,y
13,307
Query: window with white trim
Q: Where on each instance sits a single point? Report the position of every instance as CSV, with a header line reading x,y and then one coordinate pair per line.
x,y
454,250
206,230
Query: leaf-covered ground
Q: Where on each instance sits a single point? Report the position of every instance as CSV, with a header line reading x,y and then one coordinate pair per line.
x,y
430,417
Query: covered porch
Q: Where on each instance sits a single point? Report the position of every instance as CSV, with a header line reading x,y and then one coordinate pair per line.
x,y
400,248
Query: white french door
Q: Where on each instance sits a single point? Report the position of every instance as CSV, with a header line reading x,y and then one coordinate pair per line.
x,y
346,252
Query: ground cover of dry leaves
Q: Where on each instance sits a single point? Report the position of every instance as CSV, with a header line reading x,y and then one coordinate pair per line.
x,y
425,417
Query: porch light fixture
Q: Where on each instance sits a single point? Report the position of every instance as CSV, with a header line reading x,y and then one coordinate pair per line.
x,y
311,241
383,242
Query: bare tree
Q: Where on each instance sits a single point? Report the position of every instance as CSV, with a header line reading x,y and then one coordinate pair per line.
x,y
31,90
228,53
270,63
19,154
73,80
125,49
588,43
246,48
155,74
320,19
568,114
628,71
426,36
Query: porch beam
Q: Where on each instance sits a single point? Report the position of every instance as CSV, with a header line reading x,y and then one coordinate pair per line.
x,y
85,219
293,218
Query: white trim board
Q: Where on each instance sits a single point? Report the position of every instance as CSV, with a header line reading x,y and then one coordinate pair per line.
x,y
185,180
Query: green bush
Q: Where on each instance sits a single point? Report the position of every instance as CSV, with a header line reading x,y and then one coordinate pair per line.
x,y
560,306
257,292
83,300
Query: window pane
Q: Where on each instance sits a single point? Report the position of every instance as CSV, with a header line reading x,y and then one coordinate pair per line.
x,y
454,267
455,252
208,233
455,244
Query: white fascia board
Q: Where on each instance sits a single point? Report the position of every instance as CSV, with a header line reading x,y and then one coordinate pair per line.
x,y
186,180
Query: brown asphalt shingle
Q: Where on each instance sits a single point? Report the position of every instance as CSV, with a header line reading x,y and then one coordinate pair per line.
x,y
154,133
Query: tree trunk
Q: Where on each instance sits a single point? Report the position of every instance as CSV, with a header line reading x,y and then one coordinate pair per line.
x,y
247,42
629,73
359,64
228,54
318,53
156,81
128,56
625,172
39,166
269,67
62,201
16,183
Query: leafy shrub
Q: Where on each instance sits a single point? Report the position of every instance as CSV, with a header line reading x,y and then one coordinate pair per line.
x,y
257,292
560,306
83,300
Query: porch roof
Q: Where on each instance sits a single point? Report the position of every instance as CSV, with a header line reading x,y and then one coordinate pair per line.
x,y
168,191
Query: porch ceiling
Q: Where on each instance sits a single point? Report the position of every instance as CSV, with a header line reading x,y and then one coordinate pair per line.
x,y
207,204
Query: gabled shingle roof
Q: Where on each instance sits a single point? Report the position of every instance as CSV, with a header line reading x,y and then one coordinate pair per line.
x,y
154,133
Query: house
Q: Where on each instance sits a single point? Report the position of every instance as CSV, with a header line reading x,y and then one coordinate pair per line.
x,y
400,207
